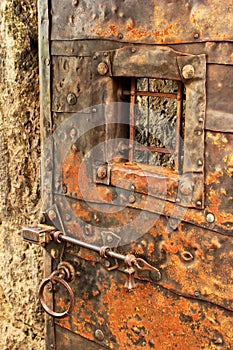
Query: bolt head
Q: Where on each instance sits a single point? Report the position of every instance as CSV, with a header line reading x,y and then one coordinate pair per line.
x,y
75,3
74,148
210,218
99,335
71,99
102,172
73,133
109,239
132,199
52,215
188,71
102,68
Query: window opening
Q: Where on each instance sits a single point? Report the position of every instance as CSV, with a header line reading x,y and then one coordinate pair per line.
x,y
156,122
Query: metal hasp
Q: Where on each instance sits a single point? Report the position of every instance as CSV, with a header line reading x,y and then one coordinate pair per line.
x,y
137,138
130,261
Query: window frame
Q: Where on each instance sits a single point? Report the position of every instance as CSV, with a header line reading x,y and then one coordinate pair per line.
x,y
164,63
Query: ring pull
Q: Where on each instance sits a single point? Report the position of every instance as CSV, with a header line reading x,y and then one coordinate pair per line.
x,y
55,278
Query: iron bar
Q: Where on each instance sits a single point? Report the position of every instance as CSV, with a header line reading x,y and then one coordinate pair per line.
x,y
152,149
132,119
95,248
150,94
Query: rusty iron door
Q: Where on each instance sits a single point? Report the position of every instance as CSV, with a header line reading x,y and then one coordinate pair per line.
x,y
137,129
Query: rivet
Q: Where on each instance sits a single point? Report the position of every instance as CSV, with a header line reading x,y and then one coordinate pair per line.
x,y
210,218
102,68
218,341
198,132
88,231
94,57
48,165
64,188
71,98
73,133
52,215
75,3
121,14
105,54
199,162
94,110
178,200
130,23
102,172
120,36
201,120
51,346
42,218
197,294
96,218
68,217
196,35
114,9
199,203
188,71
109,239
74,148
133,50
47,61
107,263
99,335
132,199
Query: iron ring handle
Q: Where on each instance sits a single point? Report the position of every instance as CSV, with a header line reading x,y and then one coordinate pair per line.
x,y
60,280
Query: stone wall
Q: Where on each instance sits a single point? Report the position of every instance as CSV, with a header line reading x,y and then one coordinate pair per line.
x,y
21,318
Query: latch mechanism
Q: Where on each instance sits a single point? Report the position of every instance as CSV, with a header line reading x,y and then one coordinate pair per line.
x,y
130,261
44,235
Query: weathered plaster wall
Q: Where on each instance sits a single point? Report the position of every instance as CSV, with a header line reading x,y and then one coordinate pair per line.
x,y
21,318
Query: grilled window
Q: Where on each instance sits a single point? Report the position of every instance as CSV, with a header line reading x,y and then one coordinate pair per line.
x,y
156,124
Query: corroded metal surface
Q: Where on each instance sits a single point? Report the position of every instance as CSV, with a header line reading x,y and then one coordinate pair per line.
x,y
180,222
152,22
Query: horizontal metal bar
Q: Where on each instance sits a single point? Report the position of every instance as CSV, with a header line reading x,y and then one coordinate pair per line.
x,y
97,249
150,94
152,149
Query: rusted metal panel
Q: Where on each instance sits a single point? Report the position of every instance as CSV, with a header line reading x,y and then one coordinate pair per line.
x,y
132,320
208,253
45,68
216,52
179,221
219,177
69,340
183,21
70,92
220,105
